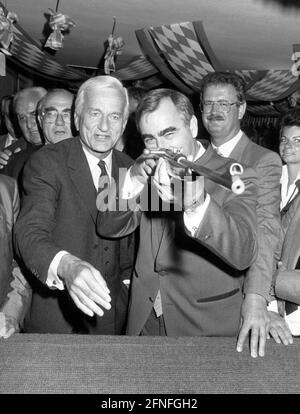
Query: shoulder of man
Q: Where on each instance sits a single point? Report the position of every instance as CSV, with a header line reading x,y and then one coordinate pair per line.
x,y
122,159
262,152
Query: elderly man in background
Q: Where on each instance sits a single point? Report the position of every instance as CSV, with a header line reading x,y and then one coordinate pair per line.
x,y
79,279
223,106
15,293
25,107
55,115
7,118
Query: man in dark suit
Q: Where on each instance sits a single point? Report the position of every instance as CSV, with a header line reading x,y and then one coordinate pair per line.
x,y
223,106
15,293
78,276
190,264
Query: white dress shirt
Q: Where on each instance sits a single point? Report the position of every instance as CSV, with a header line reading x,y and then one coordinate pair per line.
x,y
53,280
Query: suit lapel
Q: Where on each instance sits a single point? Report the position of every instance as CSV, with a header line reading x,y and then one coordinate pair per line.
x,y
81,177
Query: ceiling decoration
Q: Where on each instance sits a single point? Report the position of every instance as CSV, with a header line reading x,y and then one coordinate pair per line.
x,y
59,23
27,53
183,54
138,68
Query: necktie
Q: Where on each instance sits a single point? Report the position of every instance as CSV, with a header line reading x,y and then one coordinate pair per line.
x,y
103,179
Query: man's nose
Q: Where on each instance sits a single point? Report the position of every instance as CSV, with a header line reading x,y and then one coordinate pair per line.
x,y
59,120
215,108
31,122
103,123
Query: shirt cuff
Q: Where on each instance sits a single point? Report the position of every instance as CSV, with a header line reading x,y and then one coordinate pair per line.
x,y
273,306
131,187
53,281
193,217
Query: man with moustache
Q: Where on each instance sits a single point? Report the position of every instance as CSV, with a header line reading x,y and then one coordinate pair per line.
x,y
79,279
223,106
55,115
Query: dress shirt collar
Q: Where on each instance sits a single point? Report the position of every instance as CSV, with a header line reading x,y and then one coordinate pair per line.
x,y
200,150
93,164
225,149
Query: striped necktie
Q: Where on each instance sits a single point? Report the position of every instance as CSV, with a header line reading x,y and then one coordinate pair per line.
x,y
103,179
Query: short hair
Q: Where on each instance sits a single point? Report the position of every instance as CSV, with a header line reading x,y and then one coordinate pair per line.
x,y
104,81
152,99
224,78
36,91
290,119
136,92
42,101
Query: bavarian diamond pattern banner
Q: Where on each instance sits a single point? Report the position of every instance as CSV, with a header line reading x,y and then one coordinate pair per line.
x,y
139,68
183,52
272,85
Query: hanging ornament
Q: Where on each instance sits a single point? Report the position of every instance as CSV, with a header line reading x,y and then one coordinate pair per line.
x,y
295,69
59,23
115,46
6,30
6,37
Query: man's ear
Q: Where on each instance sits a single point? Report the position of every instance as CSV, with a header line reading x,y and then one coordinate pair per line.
x,y
242,110
40,121
124,124
194,126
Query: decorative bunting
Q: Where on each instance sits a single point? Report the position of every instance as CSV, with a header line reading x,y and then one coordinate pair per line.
x,y
138,68
295,69
181,48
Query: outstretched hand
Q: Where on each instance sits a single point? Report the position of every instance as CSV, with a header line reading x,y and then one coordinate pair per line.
x,y
85,285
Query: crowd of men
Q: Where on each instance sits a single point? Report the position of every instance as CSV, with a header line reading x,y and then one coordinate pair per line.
x,y
108,244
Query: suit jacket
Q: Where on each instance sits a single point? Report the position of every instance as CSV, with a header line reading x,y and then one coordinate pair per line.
x,y
267,165
15,293
290,253
59,213
3,141
200,278
9,208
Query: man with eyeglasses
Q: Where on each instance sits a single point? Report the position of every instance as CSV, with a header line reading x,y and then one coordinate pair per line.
x,y
55,114
223,105
25,107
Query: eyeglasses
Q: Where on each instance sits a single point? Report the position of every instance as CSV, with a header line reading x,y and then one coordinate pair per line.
x,y
51,115
23,117
223,106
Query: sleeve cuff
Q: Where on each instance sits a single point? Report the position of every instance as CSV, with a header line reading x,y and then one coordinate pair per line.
x,y
53,281
194,216
132,186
